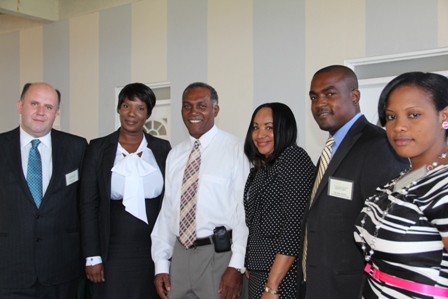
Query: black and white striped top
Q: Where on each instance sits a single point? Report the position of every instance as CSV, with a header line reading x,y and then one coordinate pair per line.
x,y
409,241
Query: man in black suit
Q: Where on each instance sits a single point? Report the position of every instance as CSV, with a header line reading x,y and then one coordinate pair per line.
x,y
39,234
361,160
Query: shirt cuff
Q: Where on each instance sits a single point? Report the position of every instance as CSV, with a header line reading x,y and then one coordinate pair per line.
x,y
93,260
162,266
237,261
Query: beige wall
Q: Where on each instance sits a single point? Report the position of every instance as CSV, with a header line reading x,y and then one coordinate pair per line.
x,y
31,59
149,41
327,45
230,67
443,23
84,74
232,39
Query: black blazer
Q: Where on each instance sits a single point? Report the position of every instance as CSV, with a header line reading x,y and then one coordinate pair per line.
x,y
39,243
334,261
96,187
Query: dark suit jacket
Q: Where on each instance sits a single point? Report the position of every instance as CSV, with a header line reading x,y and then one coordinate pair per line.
x,y
96,187
39,243
334,261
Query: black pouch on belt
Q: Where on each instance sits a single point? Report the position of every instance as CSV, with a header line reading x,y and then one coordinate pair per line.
x,y
221,239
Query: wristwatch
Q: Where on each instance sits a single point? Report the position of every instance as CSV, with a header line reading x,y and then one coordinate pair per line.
x,y
271,291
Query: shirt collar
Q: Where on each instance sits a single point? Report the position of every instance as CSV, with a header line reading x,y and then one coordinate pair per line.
x,y
342,132
206,138
26,138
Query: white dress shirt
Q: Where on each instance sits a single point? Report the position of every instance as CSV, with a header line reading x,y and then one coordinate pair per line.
x,y
45,152
135,178
222,176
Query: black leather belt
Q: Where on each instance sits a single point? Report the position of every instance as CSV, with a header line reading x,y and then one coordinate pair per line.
x,y
204,241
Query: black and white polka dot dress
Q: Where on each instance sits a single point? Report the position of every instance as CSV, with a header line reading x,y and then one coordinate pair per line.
x,y
275,199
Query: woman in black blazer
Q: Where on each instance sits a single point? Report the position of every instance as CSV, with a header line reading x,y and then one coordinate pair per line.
x,y
122,188
275,198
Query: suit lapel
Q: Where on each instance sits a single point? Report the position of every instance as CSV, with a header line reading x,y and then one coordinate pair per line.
x,y
59,155
13,154
344,148
108,163
255,198
155,146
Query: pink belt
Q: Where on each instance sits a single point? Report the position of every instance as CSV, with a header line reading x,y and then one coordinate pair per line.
x,y
406,284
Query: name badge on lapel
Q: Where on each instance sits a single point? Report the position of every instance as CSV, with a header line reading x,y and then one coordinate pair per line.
x,y
340,188
71,177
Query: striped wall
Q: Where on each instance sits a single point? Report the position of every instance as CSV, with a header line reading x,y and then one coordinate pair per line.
x,y
279,57
251,51
114,65
187,54
56,64
9,79
84,94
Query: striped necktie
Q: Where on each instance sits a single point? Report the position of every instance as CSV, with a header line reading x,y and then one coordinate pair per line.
x,y
187,225
34,172
324,160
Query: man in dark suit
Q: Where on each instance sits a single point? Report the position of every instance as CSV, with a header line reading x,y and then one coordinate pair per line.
x,y
361,160
39,230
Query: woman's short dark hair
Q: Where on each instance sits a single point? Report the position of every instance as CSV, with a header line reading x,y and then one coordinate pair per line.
x,y
435,85
139,91
285,134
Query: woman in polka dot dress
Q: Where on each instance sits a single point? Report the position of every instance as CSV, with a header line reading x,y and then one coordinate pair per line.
x,y
275,198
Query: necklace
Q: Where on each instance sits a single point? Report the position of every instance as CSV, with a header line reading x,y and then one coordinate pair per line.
x,y
374,199
436,163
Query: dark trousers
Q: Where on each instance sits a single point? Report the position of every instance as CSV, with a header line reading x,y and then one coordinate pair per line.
x,y
66,290
301,294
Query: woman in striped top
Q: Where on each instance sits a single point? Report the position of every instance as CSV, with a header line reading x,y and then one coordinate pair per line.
x,y
403,228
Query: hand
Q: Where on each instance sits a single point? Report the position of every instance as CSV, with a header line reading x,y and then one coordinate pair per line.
x,y
95,273
163,285
231,284
247,274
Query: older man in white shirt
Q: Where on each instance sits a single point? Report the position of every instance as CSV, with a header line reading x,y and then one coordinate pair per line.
x,y
196,270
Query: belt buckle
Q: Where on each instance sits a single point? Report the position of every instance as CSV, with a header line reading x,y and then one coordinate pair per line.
x,y
375,273
369,269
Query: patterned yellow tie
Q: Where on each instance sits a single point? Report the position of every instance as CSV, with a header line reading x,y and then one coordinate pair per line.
x,y
324,160
187,225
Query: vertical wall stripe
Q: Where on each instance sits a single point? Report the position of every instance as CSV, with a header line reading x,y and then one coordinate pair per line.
x,y
9,80
115,26
279,49
84,82
31,55
181,41
230,62
415,28
56,60
149,41
187,54
335,31
443,23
